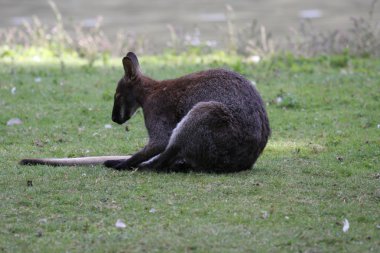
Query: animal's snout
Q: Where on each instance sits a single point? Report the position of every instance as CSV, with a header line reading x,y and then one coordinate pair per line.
x,y
118,120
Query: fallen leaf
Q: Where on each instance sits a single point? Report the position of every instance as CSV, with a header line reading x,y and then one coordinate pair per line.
x,y
38,143
107,126
346,225
14,121
152,210
13,90
42,221
120,224
264,215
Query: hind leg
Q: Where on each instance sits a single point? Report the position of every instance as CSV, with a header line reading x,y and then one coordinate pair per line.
x,y
198,141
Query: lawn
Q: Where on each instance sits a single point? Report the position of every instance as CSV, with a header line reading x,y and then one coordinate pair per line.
x,y
321,165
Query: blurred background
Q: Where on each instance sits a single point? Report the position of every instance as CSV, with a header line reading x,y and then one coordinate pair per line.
x,y
152,26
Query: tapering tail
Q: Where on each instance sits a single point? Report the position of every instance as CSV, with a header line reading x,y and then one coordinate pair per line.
x,y
79,161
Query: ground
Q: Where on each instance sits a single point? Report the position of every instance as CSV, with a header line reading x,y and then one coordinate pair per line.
x,y
321,165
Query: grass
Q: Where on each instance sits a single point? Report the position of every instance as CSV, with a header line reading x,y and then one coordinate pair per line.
x,y
320,167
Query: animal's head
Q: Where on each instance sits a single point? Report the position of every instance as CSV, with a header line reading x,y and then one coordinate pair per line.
x,y
125,103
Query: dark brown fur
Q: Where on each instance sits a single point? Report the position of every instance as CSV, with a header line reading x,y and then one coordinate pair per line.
x,y
212,120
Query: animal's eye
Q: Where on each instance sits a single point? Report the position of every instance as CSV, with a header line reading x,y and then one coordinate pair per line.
x,y
117,95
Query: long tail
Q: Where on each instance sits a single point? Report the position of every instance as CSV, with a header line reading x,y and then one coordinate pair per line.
x,y
80,161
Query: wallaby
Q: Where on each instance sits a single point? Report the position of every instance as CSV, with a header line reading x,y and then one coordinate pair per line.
x,y
213,120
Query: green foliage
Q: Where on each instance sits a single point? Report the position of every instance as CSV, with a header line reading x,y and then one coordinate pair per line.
x,y
339,61
319,168
362,39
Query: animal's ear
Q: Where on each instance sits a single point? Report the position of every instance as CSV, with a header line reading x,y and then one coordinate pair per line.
x,y
131,65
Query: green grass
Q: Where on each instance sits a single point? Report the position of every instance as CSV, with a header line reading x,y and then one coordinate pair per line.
x,y
320,167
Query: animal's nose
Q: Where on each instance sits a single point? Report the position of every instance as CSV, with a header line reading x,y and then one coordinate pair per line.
x,y
114,119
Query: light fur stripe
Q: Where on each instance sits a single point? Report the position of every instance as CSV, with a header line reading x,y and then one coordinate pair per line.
x,y
78,161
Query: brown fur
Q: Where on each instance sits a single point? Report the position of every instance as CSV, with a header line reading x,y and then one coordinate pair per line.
x,y
212,120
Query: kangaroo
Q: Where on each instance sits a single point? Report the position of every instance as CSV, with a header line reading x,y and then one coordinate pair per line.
x,y
212,120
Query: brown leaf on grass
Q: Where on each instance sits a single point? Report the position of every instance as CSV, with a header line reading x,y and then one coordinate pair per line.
x,y
264,215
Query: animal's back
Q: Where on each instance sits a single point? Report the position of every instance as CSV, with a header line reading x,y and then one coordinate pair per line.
x,y
242,141
231,89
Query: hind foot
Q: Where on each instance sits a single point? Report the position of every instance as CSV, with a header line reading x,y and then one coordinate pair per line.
x,y
117,164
